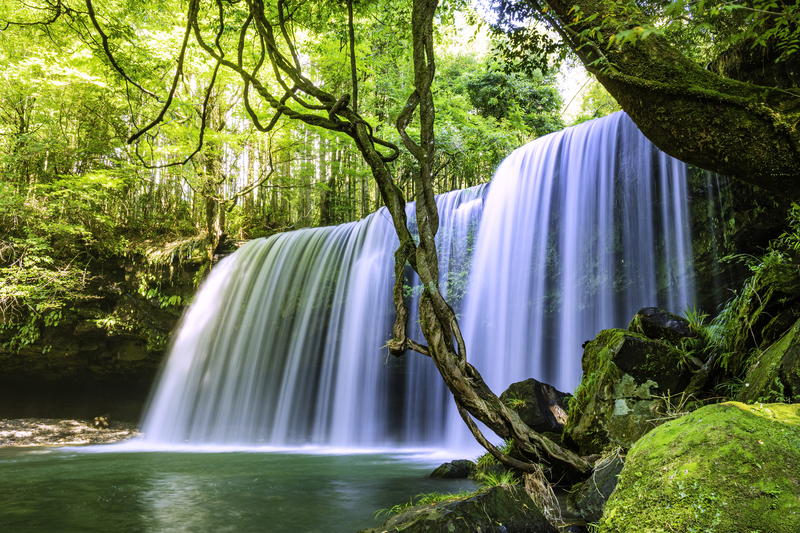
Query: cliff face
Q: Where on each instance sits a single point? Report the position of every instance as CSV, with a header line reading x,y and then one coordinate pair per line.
x,y
103,354
728,219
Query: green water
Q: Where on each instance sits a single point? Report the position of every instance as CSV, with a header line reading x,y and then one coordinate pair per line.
x,y
55,490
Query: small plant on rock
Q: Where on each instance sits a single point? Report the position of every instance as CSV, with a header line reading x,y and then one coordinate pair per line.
x,y
514,401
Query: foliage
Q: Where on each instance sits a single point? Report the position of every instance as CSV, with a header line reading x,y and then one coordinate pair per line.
x,y
514,401
487,460
730,341
595,102
533,100
716,25
63,116
46,243
492,479
74,193
702,30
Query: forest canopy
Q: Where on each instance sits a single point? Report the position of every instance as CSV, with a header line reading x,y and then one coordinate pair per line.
x,y
74,190
65,114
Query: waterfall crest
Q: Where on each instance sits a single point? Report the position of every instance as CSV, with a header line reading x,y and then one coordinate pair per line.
x,y
285,342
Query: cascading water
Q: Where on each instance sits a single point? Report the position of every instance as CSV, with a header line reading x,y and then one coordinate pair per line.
x,y
284,344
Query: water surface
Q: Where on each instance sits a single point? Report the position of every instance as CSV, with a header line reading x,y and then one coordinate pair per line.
x,y
73,489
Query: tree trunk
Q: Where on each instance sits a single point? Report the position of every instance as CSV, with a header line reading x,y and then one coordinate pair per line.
x,y
742,130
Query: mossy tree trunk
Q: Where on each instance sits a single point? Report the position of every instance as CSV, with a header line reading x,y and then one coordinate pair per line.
x,y
743,130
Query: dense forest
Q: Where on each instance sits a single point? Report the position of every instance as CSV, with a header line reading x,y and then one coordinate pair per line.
x,y
76,192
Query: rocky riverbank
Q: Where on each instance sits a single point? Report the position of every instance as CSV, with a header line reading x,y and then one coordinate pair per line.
x,y
57,431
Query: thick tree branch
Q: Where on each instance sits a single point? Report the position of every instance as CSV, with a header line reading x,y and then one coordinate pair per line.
x,y
743,130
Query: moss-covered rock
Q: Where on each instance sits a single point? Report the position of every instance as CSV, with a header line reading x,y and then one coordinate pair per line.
x,y
503,508
726,468
624,376
775,376
656,323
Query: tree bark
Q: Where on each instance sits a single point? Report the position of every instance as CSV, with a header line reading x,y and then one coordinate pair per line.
x,y
742,130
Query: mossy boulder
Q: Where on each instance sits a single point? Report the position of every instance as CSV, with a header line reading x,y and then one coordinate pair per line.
x,y
625,377
539,405
775,376
727,468
503,508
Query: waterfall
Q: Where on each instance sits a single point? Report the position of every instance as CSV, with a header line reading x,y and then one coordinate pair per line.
x,y
285,342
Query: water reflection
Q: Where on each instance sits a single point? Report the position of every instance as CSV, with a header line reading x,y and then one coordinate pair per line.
x,y
68,490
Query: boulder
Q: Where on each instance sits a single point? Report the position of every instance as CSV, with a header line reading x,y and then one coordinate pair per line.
x,y
460,468
655,323
775,375
626,377
538,404
588,499
503,508
727,467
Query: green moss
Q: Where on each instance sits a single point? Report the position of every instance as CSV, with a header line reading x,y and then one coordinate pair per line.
x,y
763,382
725,468
596,361
615,401
599,372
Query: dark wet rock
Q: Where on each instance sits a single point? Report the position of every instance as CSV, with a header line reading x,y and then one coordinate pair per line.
x,y
539,405
500,509
655,323
775,375
460,468
588,499
647,359
625,377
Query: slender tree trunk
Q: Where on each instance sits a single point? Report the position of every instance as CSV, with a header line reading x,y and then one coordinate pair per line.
x,y
439,324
